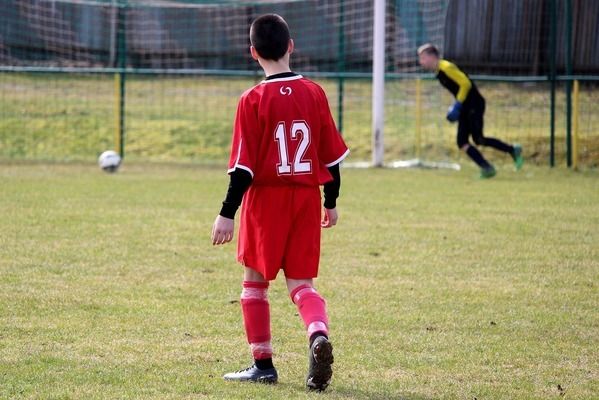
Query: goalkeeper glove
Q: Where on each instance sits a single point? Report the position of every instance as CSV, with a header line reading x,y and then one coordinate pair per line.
x,y
454,112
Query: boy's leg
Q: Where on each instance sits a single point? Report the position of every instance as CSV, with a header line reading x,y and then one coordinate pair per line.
x,y
312,309
494,143
466,147
513,150
300,265
476,156
256,319
477,124
301,260
469,122
256,314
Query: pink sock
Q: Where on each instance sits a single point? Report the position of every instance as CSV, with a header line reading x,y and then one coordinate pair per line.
x,y
312,309
256,318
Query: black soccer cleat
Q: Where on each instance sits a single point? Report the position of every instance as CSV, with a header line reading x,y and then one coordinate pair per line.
x,y
321,358
253,374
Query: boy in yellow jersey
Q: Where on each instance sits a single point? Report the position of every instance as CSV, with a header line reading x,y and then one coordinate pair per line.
x,y
468,109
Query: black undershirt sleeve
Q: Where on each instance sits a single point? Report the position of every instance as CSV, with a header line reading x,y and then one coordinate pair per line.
x,y
240,181
331,189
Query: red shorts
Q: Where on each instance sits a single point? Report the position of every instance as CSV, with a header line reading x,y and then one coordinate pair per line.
x,y
280,229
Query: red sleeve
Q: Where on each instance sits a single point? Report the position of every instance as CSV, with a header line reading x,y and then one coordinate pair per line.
x,y
331,149
244,142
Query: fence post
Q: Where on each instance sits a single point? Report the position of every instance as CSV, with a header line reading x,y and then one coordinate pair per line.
x,y
418,141
118,134
575,112
569,83
340,66
552,67
120,76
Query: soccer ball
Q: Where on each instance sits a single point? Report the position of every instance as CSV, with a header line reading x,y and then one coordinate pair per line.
x,y
109,161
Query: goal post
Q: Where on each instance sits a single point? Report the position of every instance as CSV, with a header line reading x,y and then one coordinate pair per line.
x,y
394,44
378,83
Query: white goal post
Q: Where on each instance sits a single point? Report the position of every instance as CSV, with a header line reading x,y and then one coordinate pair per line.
x,y
378,84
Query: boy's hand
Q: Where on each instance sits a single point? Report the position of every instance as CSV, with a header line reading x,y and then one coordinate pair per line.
x,y
222,230
329,219
453,114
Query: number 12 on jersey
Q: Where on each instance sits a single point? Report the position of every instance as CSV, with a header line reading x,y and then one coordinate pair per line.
x,y
299,130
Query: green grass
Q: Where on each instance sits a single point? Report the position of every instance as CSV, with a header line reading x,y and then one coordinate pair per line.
x,y
72,117
439,286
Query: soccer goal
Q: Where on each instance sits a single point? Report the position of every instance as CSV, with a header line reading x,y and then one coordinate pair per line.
x,y
160,80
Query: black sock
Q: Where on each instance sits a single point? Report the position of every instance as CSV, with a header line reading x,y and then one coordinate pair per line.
x,y
265,363
478,158
315,335
499,145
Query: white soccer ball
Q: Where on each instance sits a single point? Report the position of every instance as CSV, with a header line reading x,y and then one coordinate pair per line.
x,y
109,161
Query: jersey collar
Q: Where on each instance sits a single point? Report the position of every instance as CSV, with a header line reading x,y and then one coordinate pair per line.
x,y
282,77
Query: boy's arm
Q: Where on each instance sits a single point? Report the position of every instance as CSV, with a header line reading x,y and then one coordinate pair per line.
x,y
224,225
240,169
331,189
331,150
464,84
455,74
240,181
331,193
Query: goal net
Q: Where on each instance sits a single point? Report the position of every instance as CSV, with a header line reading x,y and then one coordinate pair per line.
x,y
186,62
167,74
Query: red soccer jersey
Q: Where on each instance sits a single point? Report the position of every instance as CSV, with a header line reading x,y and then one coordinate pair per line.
x,y
284,134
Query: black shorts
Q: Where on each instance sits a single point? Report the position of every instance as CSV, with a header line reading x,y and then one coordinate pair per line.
x,y
471,122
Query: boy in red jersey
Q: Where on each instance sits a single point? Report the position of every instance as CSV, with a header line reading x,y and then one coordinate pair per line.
x,y
285,145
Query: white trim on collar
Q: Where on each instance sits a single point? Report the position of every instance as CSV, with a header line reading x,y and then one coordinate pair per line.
x,y
289,78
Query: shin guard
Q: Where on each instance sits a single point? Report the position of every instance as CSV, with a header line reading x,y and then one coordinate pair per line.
x,y
312,309
256,318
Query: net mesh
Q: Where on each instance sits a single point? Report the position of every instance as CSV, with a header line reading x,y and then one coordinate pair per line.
x,y
166,34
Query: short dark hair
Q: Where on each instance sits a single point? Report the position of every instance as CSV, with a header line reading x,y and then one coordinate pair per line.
x,y
428,48
269,34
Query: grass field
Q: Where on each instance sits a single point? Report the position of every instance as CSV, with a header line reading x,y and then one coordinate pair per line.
x,y
439,286
72,117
